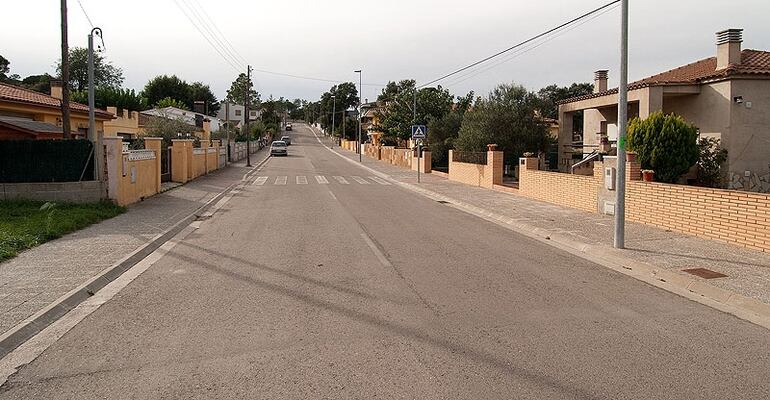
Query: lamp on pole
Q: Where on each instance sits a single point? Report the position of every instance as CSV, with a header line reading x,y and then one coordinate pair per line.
x,y
360,86
334,112
92,134
620,202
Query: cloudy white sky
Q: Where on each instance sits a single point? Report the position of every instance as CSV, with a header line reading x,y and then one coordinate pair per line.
x,y
388,40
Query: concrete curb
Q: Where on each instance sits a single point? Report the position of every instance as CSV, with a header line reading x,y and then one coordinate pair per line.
x,y
38,321
723,300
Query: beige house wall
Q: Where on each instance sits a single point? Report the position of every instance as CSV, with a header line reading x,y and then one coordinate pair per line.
x,y
749,137
126,122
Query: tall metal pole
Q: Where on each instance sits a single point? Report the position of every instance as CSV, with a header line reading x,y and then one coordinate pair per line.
x,y
227,130
334,114
620,203
93,135
360,97
414,121
246,115
65,74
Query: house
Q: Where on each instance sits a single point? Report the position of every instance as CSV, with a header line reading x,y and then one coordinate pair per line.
x,y
231,112
726,96
126,124
204,124
26,114
370,119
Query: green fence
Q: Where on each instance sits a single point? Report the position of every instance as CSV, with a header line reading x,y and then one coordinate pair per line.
x,y
46,161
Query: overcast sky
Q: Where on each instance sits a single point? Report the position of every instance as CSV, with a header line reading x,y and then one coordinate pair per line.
x,y
388,40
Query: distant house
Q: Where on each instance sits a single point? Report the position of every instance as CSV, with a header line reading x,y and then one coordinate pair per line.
x,y
233,113
203,123
727,96
370,120
26,114
126,124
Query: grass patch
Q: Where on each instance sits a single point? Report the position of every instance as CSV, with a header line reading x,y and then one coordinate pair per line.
x,y
26,224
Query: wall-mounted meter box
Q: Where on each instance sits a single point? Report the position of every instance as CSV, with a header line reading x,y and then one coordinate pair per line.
x,y
609,178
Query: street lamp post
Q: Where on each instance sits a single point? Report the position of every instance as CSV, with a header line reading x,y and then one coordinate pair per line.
x,y
620,202
360,87
334,113
93,135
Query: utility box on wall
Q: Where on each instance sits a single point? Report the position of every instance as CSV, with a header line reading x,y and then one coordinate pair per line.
x,y
609,178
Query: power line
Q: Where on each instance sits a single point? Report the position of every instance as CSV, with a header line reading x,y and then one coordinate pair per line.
x,y
523,50
203,23
86,14
570,22
236,68
222,35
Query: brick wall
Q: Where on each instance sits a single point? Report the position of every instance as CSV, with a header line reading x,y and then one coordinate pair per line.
x,y
740,218
484,175
574,191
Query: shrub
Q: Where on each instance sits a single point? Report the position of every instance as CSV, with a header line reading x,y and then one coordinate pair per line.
x,y
712,157
666,144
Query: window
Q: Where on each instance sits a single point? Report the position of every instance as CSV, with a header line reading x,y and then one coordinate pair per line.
x,y
237,113
253,113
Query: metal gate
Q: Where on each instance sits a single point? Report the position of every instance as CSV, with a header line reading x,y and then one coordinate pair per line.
x,y
165,164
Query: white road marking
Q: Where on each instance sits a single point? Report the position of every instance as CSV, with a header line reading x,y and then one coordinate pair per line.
x,y
384,260
301,180
360,180
333,196
341,180
379,180
321,179
281,180
260,180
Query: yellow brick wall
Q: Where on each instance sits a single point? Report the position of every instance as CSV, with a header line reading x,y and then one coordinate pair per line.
x,y
740,218
574,191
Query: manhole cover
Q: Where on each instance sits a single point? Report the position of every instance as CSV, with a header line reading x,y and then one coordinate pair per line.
x,y
705,273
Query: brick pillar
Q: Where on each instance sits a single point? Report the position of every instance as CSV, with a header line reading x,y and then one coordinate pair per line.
x,y
155,144
494,166
181,160
633,171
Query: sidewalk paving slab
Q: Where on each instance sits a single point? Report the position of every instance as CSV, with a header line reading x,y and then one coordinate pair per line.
x,y
40,276
748,271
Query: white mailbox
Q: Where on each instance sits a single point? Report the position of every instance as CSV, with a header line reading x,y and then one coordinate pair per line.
x,y
609,178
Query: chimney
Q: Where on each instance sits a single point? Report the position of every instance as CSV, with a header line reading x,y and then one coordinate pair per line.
x,y
600,81
729,47
56,89
199,107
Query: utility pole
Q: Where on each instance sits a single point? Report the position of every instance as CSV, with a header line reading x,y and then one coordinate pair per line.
x,y
334,112
414,122
246,115
620,202
93,135
227,129
360,97
65,74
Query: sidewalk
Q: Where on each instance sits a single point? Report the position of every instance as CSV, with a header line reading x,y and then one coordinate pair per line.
x,y
748,271
41,275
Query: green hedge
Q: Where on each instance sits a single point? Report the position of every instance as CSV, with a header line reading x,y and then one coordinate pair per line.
x,y
45,161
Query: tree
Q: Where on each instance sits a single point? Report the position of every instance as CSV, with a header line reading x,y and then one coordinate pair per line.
x,y
346,97
710,160
197,91
105,74
164,86
507,117
398,115
168,127
5,69
442,132
38,83
551,95
171,102
666,144
110,97
238,89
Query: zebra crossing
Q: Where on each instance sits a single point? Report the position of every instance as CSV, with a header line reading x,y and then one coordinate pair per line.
x,y
284,180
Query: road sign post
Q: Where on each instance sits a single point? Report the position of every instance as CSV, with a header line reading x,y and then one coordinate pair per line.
x,y
418,134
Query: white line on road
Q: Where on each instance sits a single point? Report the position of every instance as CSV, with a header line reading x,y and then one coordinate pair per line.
x,y
379,180
333,196
360,180
260,180
321,179
341,180
383,260
301,180
281,180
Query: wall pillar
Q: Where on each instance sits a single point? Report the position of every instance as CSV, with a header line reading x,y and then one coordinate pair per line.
x,y
155,144
113,159
650,101
181,160
565,139
494,166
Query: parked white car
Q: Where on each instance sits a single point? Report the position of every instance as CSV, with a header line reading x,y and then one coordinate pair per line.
x,y
278,148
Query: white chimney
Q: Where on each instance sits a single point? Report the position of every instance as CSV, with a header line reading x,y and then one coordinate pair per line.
x,y
729,47
57,89
600,81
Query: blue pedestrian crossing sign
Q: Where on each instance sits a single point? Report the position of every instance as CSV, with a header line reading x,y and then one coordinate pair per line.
x,y
419,131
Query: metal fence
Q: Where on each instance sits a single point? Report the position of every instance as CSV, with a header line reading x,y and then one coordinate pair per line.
x,y
470,157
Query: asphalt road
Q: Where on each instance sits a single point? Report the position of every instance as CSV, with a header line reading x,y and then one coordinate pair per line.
x,y
303,287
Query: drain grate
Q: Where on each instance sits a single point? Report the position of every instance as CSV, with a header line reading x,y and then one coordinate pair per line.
x,y
442,201
705,273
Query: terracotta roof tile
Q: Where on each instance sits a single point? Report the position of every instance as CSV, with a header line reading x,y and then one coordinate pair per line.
x,y
752,62
21,95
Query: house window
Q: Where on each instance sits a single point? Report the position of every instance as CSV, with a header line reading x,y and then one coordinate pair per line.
x,y
237,113
253,113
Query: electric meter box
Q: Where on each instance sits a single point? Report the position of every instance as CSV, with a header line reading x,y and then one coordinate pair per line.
x,y
609,178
